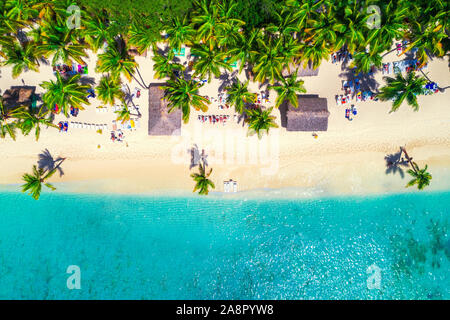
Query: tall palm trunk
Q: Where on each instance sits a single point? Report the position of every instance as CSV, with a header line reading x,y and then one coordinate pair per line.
x,y
409,159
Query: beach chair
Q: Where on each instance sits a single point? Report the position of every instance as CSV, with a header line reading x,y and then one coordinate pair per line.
x,y
359,96
399,48
234,186
357,84
226,186
180,53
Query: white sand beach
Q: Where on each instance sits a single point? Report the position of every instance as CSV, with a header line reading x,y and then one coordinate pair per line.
x,y
346,159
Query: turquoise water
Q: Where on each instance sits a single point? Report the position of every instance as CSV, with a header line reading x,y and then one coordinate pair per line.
x,y
131,247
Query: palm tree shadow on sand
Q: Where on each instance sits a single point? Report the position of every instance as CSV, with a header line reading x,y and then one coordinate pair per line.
x,y
227,79
197,157
395,162
48,163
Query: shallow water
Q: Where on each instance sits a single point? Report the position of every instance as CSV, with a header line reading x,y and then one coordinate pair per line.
x,y
131,247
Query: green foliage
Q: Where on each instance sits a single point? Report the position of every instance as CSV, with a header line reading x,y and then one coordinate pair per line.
x,y
260,121
65,93
109,89
202,183
238,95
399,89
183,94
288,90
420,177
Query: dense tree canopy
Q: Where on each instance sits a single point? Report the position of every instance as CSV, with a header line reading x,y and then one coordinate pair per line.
x,y
263,37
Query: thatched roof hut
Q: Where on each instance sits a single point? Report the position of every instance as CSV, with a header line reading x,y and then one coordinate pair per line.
x,y
19,96
311,115
160,121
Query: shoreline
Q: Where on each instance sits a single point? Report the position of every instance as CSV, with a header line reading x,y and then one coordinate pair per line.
x,y
347,159
265,194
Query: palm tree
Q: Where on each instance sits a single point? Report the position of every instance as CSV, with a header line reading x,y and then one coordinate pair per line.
x,y
209,61
21,56
288,90
164,66
143,36
244,50
260,121
28,121
350,23
65,93
62,43
116,60
35,180
420,176
8,120
238,94
364,61
314,53
207,20
46,9
182,94
322,31
20,10
269,63
392,26
202,183
179,33
7,22
399,88
97,32
428,39
124,114
109,89
305,11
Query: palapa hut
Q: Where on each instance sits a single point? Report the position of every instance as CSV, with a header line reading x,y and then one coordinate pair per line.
x,y
19,96
311,115
160,121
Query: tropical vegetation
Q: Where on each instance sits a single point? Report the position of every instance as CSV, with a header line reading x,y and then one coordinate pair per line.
x,y
202,181
39,178
260,121
400,89
420,177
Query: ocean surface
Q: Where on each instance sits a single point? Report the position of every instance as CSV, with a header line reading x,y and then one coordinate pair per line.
x,y
133,247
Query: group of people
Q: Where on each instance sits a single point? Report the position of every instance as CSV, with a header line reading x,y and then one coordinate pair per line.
x,y
63,126
431,87
341,56
350,112
70,70
74,111
349,89
214,118
119,136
